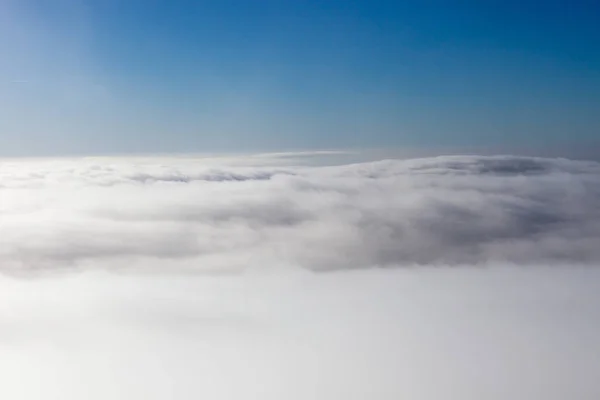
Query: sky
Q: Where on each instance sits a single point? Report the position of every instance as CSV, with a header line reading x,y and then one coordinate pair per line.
x,y
110,77
307,266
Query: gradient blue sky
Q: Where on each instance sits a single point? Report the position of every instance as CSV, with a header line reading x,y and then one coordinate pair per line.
x,y
122,76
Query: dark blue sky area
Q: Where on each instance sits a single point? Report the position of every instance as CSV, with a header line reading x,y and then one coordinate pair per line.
x,y
204,75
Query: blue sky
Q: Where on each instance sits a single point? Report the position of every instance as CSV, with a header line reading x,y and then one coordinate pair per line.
x,y
123,76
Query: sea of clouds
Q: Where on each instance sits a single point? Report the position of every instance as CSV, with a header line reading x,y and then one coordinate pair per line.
x,y
296,276
221,215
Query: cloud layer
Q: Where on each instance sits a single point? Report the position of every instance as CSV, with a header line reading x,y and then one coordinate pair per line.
x,y
270,328
233,214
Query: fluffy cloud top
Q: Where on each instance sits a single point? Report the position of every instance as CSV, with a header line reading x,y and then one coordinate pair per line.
x,y
233,214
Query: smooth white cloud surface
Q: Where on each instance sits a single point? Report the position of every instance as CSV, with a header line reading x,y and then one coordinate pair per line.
x,y
419,334
223,295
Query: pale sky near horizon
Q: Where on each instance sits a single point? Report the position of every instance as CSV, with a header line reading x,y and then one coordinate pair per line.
x,y
90,77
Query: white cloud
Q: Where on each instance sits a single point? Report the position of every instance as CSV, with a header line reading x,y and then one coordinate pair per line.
x,y
419,334
271,328
206,215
